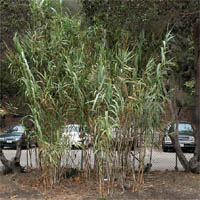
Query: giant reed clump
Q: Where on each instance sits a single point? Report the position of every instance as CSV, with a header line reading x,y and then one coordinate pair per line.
x,y
69,76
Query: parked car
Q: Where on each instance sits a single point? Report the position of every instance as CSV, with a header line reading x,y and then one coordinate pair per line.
x,y
11,136
77,136
185,136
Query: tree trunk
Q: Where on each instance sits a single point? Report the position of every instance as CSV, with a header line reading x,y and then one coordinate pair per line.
x,y
13,165
174,138
2,121
195,161
184,162
197,125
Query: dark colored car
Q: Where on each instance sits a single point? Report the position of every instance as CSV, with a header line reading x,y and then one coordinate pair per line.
x,y
11,136
185,136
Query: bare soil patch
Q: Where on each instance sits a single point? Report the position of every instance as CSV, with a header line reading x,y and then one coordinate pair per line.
x,y
158,186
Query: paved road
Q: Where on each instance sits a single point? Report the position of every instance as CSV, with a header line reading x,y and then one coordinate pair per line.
x,y
160,160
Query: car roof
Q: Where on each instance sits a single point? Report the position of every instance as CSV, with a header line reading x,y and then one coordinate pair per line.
x,y
180,122
71,125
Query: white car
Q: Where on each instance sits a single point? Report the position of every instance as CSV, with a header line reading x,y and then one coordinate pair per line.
x,y
76,137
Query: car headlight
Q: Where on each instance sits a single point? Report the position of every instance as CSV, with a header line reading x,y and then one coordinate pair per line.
x,y
191,139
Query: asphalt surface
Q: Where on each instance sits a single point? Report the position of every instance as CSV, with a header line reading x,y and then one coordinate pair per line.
x,y
160,160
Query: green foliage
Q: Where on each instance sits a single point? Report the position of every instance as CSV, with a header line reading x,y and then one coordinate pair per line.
x,y
154,17
68,75
190,85
15,17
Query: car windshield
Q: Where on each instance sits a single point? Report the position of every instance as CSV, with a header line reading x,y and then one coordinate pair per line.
x,y
73,128
185,129
17,129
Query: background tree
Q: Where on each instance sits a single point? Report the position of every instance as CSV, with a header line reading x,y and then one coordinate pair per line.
x,y
154,17
15,17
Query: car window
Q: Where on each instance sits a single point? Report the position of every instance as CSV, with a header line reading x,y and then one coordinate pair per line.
x,y
11,129
20,129
184,127
73,128
15,129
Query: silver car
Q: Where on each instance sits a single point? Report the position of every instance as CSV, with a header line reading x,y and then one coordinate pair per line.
x,y
185,136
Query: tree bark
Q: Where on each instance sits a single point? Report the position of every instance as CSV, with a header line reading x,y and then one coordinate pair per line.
x,y
13,165
197,150
184,162
195,161
174,138
2,121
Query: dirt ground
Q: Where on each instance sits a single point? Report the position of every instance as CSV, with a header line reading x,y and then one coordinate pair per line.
x,y
157,186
